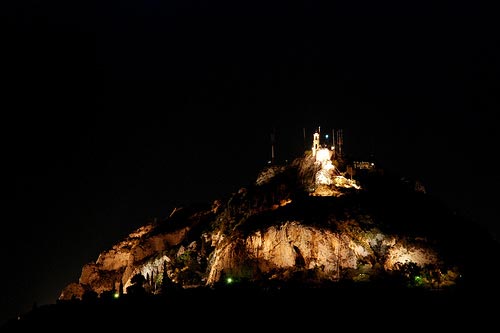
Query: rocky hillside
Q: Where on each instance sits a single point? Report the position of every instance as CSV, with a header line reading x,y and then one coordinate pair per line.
x,y
305,223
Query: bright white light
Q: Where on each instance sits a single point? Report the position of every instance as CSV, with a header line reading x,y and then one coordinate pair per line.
x,y
323,155
322,177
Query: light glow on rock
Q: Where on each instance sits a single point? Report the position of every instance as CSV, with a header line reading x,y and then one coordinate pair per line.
x,y
323,155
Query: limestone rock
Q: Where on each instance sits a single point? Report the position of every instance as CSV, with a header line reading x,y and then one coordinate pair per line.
x,y
294,224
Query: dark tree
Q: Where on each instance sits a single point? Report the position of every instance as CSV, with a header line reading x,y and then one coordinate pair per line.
x,y
89,296
120,291
137,287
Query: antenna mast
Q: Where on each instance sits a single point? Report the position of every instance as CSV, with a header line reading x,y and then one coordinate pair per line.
x,y
272,146
304,133
340,140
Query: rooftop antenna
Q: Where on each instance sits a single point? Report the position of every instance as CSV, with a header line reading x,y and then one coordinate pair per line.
x,y
340,141
333,142
273,141
304,133
319,133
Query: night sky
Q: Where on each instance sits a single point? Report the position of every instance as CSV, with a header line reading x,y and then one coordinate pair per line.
x,y
115,113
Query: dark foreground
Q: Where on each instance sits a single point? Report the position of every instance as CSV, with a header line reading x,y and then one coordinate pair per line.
x,y
291,309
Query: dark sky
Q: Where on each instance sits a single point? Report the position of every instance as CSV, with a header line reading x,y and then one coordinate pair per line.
x,y
115,112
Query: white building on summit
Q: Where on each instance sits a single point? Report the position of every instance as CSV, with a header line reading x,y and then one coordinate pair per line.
x,y
329,177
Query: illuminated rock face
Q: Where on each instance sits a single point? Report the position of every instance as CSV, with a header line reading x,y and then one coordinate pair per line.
x,y
276,231
136,254
284,247
328,255
272,254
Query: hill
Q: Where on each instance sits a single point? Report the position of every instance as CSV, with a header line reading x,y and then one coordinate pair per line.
x,y
316,240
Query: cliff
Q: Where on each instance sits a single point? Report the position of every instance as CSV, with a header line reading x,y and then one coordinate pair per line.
x,y
304,223
305,245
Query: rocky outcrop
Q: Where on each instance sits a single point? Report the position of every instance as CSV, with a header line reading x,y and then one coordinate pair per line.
x,y
134,255
284,228
326,254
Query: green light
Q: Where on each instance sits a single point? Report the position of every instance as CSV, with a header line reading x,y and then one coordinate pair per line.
x,y
116,295
229,280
